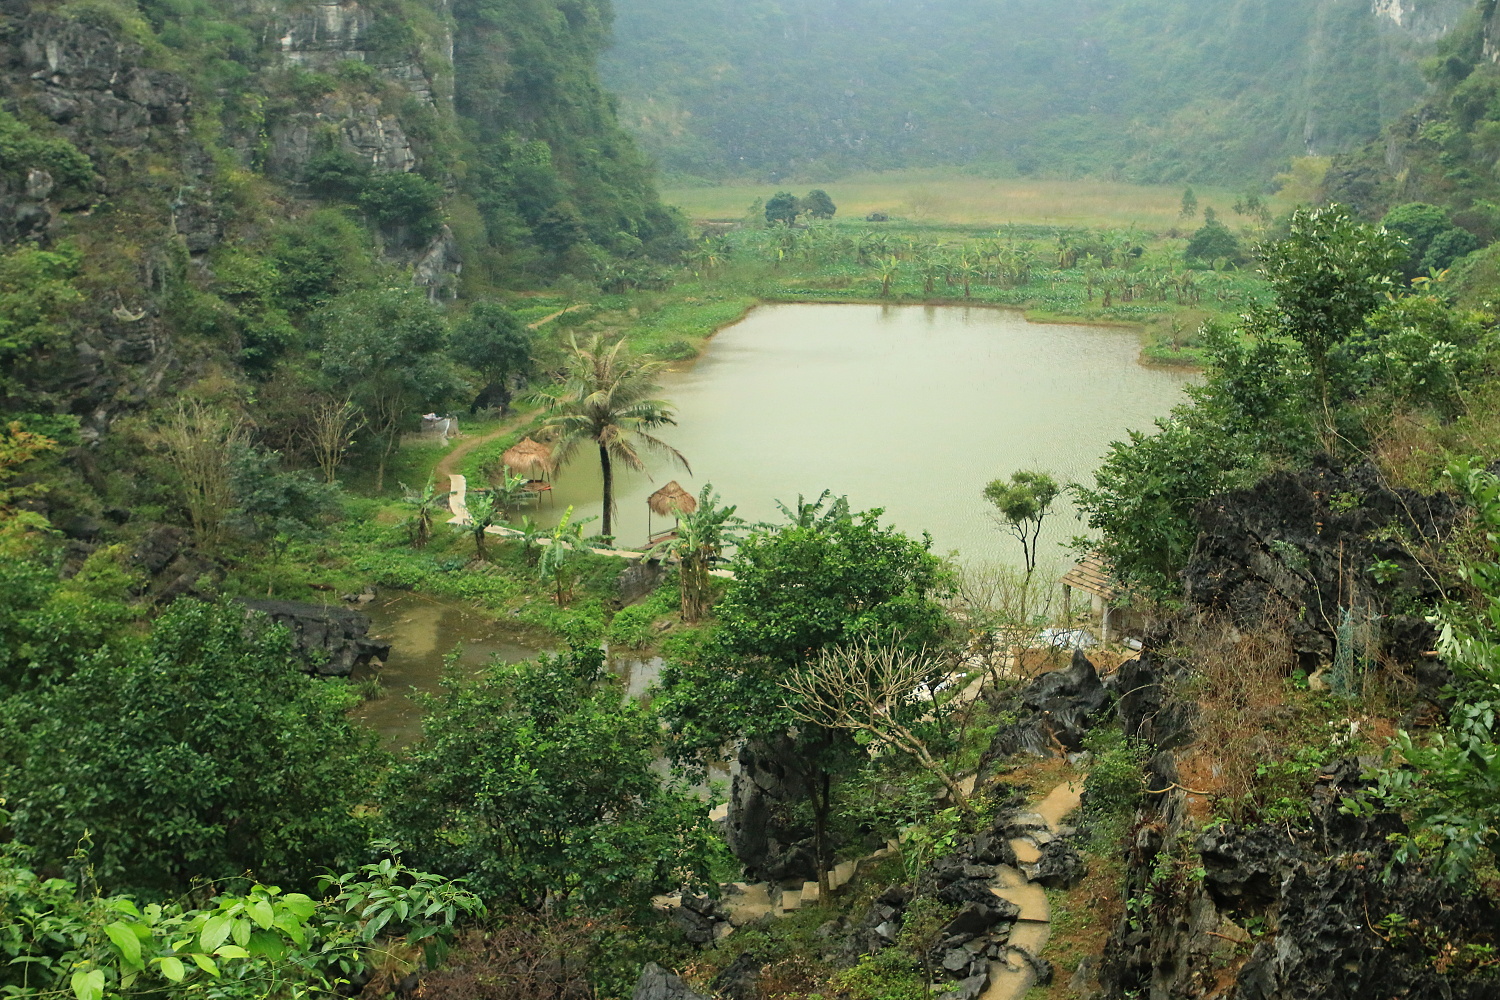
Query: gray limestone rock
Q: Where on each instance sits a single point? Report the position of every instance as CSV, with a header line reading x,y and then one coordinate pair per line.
x,y
657,983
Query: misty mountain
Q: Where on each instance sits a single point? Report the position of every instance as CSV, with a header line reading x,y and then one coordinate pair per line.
x,y
1147,90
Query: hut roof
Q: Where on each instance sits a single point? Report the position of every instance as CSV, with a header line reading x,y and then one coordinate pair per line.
x,y
672,499
528,457
1092,575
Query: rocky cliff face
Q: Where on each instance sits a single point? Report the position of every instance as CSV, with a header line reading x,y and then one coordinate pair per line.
x,y
179,151
1307,908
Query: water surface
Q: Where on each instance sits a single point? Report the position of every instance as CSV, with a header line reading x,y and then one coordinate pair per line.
x,y
909,408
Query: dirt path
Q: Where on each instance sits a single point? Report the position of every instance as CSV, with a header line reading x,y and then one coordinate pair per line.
x,y
547,319
448,464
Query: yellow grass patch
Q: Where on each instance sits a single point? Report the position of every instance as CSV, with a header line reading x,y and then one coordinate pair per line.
x,y
931,197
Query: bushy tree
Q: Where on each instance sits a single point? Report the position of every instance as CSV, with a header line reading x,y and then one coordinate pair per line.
x,y
818,205
536,782
1417,224
276,507
783,207
383,348
200,752
826,577
497,345
1213,242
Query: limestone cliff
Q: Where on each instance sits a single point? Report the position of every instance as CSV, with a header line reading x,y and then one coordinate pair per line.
x,y
197,177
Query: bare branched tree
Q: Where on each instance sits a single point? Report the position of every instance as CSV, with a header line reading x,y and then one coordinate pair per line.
x,y
199,442
862,687
330,431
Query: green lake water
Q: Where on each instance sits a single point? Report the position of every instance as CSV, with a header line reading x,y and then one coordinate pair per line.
x,y
908,408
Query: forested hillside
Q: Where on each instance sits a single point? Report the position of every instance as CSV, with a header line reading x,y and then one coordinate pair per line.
x,y
1150,90
192,186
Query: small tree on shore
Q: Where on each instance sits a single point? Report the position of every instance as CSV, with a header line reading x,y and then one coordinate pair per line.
x,y
1021,505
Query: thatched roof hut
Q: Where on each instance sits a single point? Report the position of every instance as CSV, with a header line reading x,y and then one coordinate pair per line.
x,y
528,458
672,500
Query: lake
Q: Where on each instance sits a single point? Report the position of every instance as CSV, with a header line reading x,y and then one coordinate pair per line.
x,y
909,408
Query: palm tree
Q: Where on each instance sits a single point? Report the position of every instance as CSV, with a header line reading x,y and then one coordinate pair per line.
x,y
605,396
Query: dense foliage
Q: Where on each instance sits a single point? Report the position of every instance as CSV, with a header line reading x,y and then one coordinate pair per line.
x,y
1158,91
200,751
535,782
1324,366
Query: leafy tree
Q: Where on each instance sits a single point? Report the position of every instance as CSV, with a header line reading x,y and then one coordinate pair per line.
x,y
604,396
384,349
1189,207
1446,249
1023,504
1328,275
818,205
276,507
783,207
495,344
201,753
1213,241
826,577
49,626
536,782
251,945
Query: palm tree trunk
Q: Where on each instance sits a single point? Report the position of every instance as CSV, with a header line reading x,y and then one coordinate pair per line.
x,y
609,489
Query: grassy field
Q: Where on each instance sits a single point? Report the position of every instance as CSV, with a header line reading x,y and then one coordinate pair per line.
x,y
930,197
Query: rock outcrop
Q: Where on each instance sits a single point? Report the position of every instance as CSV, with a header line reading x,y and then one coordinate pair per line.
x,y
760,831
657,983
1298,909
1052,713
332,642
1301,547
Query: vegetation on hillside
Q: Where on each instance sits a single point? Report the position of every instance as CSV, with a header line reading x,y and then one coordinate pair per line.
x,y
1226,90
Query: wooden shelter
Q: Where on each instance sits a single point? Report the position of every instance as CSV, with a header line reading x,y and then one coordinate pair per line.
x,y
671,500
533,460
1092,576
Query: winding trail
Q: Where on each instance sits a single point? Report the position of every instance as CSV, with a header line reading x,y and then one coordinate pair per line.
x,y
447,466
552,316
1013,975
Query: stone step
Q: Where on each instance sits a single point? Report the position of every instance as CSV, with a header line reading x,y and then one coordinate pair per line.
x,y
788,901
747,903
842,873
810,893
